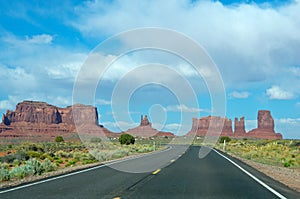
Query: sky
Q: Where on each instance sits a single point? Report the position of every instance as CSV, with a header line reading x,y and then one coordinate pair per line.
x,y
254,45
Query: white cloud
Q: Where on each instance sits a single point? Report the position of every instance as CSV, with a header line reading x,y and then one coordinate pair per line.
x,y
240,95
275,92
290,121
184,108
6,105
295,71
250,124
119,125
242,39
18,79
40,39
289,127
172,127
103,102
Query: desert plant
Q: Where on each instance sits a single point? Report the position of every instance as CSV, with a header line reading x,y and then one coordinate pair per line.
x,y
47,165
126,139
59,139
95,140
36,165
227,139
4,174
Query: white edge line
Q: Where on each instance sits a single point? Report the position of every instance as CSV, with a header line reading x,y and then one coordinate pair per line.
x,y
252,176
83,171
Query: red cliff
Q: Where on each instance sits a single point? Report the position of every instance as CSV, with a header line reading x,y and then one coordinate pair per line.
x,y
33,118
265,129
145,130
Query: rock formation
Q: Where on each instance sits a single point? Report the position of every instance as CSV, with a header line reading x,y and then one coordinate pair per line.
x,y
215,124
145,121
265,126
33,118
145,130
41,112
239,127
265,129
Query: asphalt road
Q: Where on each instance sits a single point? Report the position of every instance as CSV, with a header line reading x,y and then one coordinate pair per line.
x,y
174,174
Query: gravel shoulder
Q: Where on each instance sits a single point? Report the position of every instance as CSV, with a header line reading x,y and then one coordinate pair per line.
x,y
289,177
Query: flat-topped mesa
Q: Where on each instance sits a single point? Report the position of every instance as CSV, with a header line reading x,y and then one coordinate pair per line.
x,y
80,113
239,127
33,112
215,124
40,119
265,127
41,112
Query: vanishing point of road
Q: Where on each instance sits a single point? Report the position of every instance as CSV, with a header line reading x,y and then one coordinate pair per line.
x,y
176,174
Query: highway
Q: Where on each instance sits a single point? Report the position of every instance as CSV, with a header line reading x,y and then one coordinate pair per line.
x,y
172,173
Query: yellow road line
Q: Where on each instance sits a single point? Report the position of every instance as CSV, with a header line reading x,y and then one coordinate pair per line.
x,y
156,171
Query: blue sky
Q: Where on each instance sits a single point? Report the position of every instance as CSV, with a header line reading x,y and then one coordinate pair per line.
x,y
255,45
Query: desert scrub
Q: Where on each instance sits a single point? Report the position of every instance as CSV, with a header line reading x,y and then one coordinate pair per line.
x,y
30,168
284,153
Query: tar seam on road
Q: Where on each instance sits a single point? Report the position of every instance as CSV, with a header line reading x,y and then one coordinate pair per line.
x,y
252,176
81,171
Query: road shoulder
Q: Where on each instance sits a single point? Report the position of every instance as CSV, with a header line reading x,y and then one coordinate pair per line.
x,y
285,184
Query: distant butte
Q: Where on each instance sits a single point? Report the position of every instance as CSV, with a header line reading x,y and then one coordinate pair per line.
x,y
39,119
145,130
265,129
33,119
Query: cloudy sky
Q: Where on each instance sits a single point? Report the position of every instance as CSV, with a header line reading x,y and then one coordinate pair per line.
x,y
255,46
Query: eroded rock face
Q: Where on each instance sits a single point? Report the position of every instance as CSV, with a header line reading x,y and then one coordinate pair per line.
x,y
239,126
145,121
265,120
145,130
216,124
33,112
40,119
265,129
41,112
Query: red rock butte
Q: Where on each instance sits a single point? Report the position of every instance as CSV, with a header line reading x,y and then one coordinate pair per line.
x,y
39,119
145,130
264,130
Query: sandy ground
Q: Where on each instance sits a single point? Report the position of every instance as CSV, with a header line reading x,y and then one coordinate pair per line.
x,y
289,177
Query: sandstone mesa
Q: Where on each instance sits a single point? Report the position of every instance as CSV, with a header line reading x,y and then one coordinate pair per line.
x,y
264,130
39,119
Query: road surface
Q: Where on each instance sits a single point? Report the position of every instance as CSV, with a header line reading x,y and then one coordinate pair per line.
x,y
174,174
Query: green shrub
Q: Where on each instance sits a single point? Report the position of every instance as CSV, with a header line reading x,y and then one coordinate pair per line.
x,y
34,154
47,165
295,144
36,166
227,139
59,161
19,155
126,139
4,174
59,139
95,140
71,163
